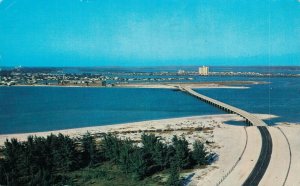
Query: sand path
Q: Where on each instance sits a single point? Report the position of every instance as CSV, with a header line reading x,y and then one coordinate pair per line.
x,y
279,164
292,132
243,169
231,141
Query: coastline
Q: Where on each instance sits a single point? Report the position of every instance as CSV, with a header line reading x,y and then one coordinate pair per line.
x,y
164,85
172,123
227,141
174,86
66,86
154,86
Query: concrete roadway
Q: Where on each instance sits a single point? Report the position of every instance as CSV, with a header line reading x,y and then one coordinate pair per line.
x,y
263,160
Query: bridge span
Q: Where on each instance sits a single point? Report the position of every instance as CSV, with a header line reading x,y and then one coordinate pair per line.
x,y
250,118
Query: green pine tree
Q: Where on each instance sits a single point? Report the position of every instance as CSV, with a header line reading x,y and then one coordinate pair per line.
x,y
138,164
174,177
182,152
199,153
126,150
89,151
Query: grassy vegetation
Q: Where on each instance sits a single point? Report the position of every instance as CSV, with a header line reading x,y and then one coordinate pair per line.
x,y
107,175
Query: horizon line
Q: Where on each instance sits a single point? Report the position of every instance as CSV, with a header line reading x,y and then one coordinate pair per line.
x,y
145,66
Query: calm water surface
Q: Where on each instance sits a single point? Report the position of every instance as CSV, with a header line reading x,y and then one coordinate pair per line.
x,y
28,109
281,97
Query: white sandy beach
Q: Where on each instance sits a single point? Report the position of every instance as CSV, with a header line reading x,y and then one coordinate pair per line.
x,y
196,85
163,124
162,85
292,132
230,142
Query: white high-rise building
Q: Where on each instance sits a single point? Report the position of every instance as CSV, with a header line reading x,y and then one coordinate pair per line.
x,y
203,71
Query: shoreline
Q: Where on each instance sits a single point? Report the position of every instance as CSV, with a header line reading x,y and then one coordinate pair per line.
x,y
226,141
68,86
173,86
163,85
155,124
155,86
134,86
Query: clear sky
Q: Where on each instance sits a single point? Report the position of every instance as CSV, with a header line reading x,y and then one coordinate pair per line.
x,y
147,33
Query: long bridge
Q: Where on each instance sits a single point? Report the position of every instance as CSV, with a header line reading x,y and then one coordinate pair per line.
x,y
263,161
251,119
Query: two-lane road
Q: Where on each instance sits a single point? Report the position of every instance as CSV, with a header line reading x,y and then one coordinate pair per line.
x,y
263,160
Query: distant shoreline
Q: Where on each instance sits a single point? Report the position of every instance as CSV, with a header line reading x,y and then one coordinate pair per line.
x,y
165,85
67,86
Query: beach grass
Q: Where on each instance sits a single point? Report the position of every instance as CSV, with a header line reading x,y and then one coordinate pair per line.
x,y
106,174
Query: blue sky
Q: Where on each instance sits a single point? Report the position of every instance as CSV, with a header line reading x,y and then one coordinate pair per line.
x,y
147,33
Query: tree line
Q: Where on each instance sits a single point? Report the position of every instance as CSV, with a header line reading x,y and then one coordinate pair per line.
x,y
44,160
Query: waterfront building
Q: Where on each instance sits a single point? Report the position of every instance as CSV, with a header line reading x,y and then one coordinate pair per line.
x,y
203,71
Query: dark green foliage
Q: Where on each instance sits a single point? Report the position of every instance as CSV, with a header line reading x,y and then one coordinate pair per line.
x,y
63,151
138,164
89,151
66,153
126,150
182,156
2,171
47,161
13,161
35,160
199,153
156,152
149,142
42,177
124,153
111,147
174,178
160,155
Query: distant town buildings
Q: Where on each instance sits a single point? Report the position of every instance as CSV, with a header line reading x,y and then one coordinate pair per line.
x,y
181,72
203,71
56,77
103,83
